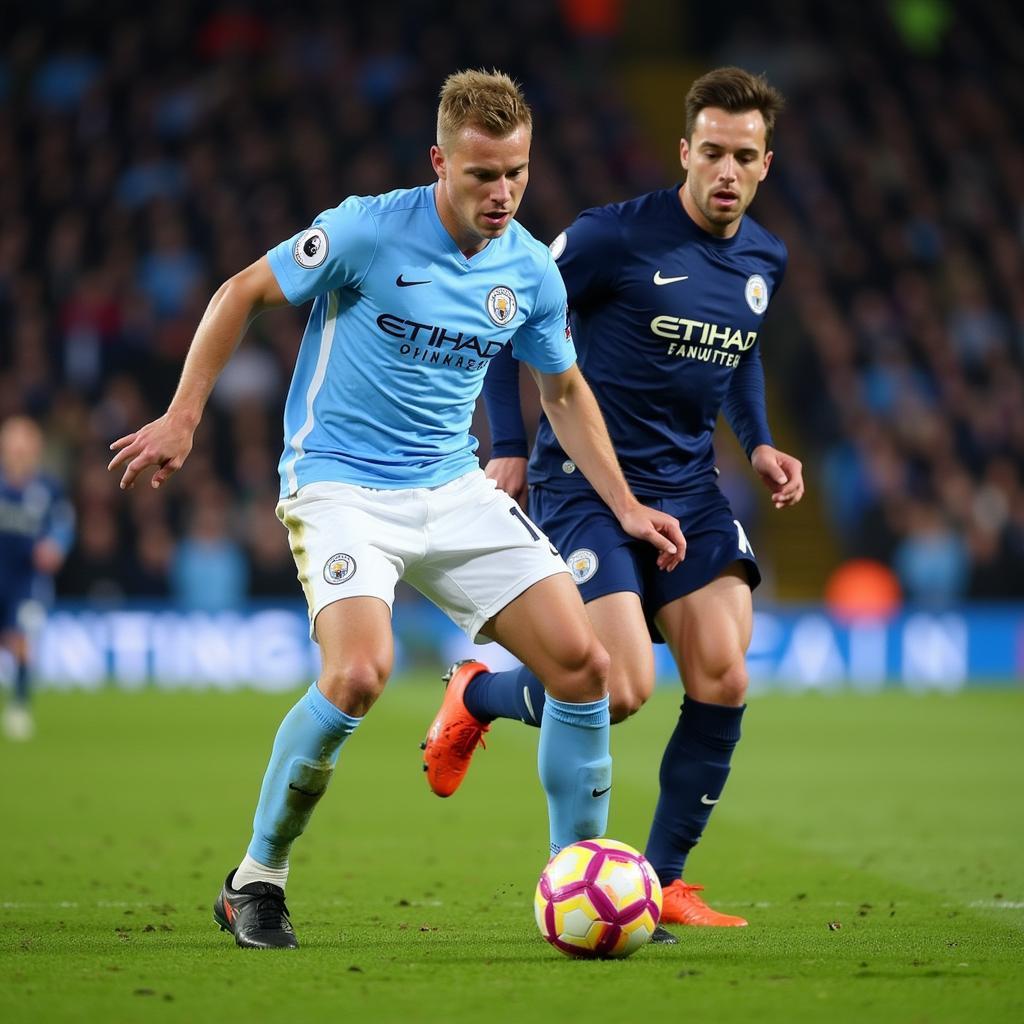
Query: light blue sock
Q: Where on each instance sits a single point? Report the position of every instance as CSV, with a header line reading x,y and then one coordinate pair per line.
x,y
575,769
301,764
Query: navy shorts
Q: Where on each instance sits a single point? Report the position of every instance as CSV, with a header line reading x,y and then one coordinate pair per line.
x,y
11,601
19,591
604,559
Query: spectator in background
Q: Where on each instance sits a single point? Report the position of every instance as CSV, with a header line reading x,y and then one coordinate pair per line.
x,y
931,559
153,556
171,270
96,570
36,527
271,567
208,569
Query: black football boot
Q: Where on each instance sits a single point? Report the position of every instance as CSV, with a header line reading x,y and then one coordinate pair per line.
x,y
255,914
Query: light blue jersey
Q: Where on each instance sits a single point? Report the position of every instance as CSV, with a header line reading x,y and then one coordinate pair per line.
x,y
400,337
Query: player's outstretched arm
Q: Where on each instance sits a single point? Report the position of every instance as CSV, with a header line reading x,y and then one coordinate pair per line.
x,y
167,441
782,474
579,426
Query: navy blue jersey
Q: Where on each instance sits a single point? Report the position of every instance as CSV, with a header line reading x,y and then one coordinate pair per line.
x,y
30,511
666,325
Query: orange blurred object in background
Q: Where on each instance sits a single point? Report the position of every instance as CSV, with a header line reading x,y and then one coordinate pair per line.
x,y
863,589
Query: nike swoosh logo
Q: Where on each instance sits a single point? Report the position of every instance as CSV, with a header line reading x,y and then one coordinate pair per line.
x,y
402,283
305,792
658,279
705,799
600,792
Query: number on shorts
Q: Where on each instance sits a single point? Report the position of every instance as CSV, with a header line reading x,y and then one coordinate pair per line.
x,y
514,511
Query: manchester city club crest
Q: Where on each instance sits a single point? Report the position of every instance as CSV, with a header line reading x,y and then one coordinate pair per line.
x,y
756,293
501,305
582,564
339,567
310,249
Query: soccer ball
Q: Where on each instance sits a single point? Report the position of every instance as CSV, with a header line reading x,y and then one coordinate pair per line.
x,y
598,898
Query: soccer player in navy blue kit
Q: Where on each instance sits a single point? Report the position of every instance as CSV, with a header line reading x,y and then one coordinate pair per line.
x,y
668,293
415,291
36,530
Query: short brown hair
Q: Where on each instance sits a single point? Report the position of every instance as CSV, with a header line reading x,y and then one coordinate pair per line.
x,y
488,100
735,91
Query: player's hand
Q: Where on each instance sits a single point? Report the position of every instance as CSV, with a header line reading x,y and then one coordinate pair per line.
x,y
659,529
509,473
164,443
47,557
782,474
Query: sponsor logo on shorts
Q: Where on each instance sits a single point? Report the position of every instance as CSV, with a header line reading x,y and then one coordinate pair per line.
x,y
310,248
501,305
568,466
756,293
339,567
582,564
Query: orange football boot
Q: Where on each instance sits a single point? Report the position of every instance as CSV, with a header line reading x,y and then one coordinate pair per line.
x,y
682,905
454,734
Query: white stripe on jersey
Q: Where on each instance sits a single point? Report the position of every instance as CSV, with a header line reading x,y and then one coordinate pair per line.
x,y
326,341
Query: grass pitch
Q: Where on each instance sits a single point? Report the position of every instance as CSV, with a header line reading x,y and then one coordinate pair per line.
x,y
875,843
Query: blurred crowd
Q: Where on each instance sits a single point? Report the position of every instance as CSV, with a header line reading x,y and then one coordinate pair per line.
x,y
147,159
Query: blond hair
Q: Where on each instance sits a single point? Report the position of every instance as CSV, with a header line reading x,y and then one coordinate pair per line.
x,y
488,100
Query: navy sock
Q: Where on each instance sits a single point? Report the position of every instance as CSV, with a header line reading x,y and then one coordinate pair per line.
x,y
21,684
517,694
693,773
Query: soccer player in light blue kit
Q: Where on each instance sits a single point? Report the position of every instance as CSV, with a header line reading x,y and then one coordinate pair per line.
x,y
414,293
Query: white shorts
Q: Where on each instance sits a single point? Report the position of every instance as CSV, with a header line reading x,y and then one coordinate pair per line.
x,y
465,545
